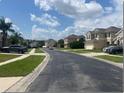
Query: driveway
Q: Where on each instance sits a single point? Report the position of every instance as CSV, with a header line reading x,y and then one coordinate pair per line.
x,y
71,73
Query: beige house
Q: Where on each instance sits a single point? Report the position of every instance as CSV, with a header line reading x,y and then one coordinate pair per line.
x,y
50,43
69,39
118,40
100,37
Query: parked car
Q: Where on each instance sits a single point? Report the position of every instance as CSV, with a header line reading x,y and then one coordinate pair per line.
x,y
51,48
106,49
113,49
116,50
14,48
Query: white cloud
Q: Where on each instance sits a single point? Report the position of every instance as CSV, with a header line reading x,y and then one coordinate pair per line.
x,y
8,20
111,19
45,19
71,8
44,34
108,9
15,27
87,16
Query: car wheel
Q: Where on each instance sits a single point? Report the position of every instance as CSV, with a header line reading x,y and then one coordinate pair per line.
x,y
22,52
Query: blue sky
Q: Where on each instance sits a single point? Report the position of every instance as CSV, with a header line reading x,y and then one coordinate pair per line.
x,y
44,19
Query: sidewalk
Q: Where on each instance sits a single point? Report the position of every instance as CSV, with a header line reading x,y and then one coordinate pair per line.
x,y
97,54
7,82
18,58
92,55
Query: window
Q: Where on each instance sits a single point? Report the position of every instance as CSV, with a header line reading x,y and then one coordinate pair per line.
x,y
109,34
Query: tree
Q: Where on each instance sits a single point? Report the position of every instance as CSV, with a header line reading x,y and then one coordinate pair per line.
x,y
77,44
61,43
5,27
16,38
74,45
81,42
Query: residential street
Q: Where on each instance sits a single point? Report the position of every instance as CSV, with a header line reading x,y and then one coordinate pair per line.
x,y
71,73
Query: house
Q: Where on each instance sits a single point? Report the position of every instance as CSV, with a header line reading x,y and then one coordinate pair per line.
x,y
100,37
50,43
118,40
69,39
111,34
33,44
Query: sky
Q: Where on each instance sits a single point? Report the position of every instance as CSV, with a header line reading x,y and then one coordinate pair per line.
x,y
56,19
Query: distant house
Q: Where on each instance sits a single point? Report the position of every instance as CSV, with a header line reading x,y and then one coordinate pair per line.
x,y
33,44
100,37
50,43
118,40
69,39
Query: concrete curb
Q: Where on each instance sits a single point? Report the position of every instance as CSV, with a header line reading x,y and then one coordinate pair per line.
x,y
23,83
103,60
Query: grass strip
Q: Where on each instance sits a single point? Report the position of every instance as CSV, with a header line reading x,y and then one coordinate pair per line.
x,y
38,50
5,57
21,67
111,58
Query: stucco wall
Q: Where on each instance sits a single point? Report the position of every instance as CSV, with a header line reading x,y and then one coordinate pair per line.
x,y
95,44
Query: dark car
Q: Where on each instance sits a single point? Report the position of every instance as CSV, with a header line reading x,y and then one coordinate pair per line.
x,y
116,50
51,48
14,48
106,49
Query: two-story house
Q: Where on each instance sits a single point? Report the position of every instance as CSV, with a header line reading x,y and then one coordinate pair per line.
x,y
50,43
100,37
118,40
69,39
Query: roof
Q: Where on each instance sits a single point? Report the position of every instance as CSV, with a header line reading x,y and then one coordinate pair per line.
x,y
99,30
113,29
103,30
121,31
81,36
50,40
72,37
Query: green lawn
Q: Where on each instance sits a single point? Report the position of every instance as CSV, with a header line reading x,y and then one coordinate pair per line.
x,y
5,57
38,50
111,58
81,50
21,67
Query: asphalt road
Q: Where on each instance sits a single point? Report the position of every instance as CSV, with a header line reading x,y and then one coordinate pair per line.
x,y
71,73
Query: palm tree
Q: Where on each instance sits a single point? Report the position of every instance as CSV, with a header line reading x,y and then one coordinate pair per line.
x,y
5,27
16,38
